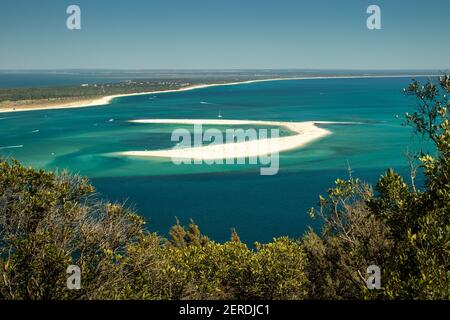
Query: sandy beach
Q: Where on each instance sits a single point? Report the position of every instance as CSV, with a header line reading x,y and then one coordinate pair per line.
x,y
35,105
107,99
304,133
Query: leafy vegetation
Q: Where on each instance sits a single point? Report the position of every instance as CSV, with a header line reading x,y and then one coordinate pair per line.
x,y
86,91
156,82
49,221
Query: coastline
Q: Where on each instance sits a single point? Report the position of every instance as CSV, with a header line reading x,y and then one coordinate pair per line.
x,y
305,133
108,99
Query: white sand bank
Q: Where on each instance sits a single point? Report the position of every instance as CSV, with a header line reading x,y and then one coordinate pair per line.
x,y
305,132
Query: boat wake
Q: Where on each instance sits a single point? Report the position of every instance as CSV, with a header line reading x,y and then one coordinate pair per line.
x,y
11,147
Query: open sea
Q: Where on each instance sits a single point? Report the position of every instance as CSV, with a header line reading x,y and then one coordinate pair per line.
x,y
218,198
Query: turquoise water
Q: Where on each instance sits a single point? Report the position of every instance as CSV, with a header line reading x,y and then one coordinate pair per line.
x,y
218,198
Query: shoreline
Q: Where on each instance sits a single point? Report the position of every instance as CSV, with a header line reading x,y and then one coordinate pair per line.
x,y
108,99
305,133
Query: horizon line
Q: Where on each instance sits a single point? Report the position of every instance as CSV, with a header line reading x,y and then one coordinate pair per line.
x,y
224,69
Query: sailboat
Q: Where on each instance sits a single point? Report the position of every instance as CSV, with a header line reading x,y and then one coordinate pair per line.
x,y
220,115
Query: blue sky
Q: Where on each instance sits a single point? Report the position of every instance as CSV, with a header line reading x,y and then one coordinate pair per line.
x,y
225,34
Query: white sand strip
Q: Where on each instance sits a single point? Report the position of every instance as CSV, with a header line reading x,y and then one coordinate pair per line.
x,y
108,99
305,132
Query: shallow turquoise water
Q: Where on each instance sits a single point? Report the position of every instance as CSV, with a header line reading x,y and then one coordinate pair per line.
x,y
221,197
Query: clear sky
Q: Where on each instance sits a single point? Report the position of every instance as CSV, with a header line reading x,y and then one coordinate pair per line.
x,y
225,34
